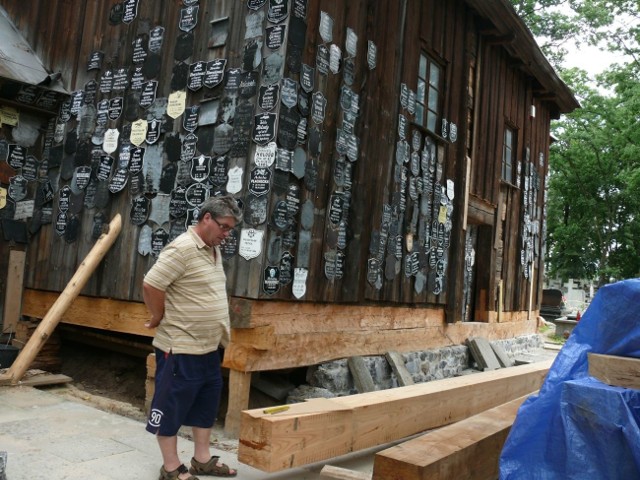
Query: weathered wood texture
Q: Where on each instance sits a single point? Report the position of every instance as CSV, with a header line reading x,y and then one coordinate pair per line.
x,y
482,86
469,448
347,424
13,291
615,370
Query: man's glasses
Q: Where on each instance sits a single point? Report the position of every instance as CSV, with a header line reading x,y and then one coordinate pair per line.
x,y
223,226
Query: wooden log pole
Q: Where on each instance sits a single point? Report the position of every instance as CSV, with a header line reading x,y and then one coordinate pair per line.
x,y
54,315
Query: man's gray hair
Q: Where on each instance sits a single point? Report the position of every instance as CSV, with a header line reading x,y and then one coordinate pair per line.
x,y
222,206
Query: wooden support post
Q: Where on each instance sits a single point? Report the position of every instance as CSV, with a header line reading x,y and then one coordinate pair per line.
x,y
71,291
13,295
239,389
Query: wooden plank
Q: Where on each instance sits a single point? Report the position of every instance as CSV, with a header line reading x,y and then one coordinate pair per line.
x,y
239,388
277,442
13,294
469,448
101,313
329,471
501,355
397,365
361,376
39,378
615,370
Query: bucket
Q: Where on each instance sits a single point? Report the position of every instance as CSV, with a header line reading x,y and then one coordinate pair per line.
x,y
8,353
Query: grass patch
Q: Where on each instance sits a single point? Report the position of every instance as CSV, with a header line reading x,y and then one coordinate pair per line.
x,y
557,339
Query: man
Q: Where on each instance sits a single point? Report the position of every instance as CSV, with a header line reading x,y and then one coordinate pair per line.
x,y
185,294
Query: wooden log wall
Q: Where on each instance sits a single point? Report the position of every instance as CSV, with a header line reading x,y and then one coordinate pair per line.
x,y
332,208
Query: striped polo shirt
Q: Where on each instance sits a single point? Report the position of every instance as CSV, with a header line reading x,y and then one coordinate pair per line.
x,y
196,315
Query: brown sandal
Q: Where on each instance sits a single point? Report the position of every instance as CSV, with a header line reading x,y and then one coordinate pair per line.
x,y
174,474
212,467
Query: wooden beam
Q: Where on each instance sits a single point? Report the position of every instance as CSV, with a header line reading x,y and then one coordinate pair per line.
x,y
347,424
95,312
615,370
66,298
13,294
362,378
397,365
329,471
239,389
469,448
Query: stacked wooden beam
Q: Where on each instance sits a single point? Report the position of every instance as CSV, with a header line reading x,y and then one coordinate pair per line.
x,y
48,358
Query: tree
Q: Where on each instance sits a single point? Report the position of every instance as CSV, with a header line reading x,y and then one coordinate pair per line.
x,y
593,207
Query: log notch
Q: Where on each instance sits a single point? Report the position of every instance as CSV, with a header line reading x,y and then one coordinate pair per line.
x,y
615,370
304,434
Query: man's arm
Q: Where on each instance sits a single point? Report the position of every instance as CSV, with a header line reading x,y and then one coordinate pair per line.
x,y
154,300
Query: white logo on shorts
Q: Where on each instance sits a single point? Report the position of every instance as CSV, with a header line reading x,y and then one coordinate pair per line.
x,y
155,417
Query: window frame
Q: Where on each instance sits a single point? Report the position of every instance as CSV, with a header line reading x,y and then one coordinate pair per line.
x,y
423,102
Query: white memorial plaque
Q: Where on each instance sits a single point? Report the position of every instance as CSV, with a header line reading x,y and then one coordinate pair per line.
x,y
265,155
110,143
234,185
250,243
177,103
299,286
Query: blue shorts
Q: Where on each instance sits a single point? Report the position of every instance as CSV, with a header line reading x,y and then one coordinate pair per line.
x,y
188,389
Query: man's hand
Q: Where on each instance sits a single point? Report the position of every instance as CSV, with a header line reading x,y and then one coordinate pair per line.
x,y
154,300
153,323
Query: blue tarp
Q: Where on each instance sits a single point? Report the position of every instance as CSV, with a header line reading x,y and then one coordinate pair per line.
x,y
577,427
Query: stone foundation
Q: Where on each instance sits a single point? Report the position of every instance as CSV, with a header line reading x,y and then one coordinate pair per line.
x,y
333,379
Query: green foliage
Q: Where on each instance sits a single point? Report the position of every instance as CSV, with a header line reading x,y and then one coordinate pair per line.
x,y
593,205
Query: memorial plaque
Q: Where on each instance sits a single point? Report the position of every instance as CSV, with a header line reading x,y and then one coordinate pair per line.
x,y
271,277
200,168
44,193
278,10
151,66
299,162
218,175
139,213
264,128
17,188
205,138
232,80
136,159
106,83
372,55
144,240
300,9
335,59
318,107
160,205
214,73
130,10
280,215
184,46
102,196
90,194
90,90
156,37
115,108
252,55
299,286
301,131
256,4
311,174
168,178
250,243
402,127
349,71
81,179
248,87
256,210
95,61
307,78
272,68
351,42
323,59
120,79
190,119
159,239
242,126
268,98
61,223
153,131
336,208
289,95
148,93
253,25
315,141
77,99
265,155
453,132
197,72
30,168
189,146
196,194
188,18
229,247
222,138
65,111
294,58
326,27
104,167
178,205
275,36
284,160
139,49
260,181
64,198
17,155
288,128
102,115
234,185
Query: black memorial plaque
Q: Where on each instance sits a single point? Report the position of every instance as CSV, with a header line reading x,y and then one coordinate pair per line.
x,y
95,61
318,107
272,68
188,18
104,167
81,179
136,159
102,116
304,103
284,158
197,72
288,127
307,78
248,84
289,96
219,174
61,223
252,55
280,218
294,58
44,193
232,80
90,90
275,36
264,128
286,268
315,140
222,138
184,46
172,146
120,79
156,37
90,194
65,111
242,127
148,93
17,188
64,198
77,100
139,213
159,240
189,146
214,73
130,11
17,155
293,201
323,58
99,219
153,131
271,277
256,4
140,45
301,131
205,138
72,230
229,247
336,208
106,82
260,181
196,194
200,168
119,180
300,9
278,10
180,76
190,118
256,210
116,104
178,205
268,98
